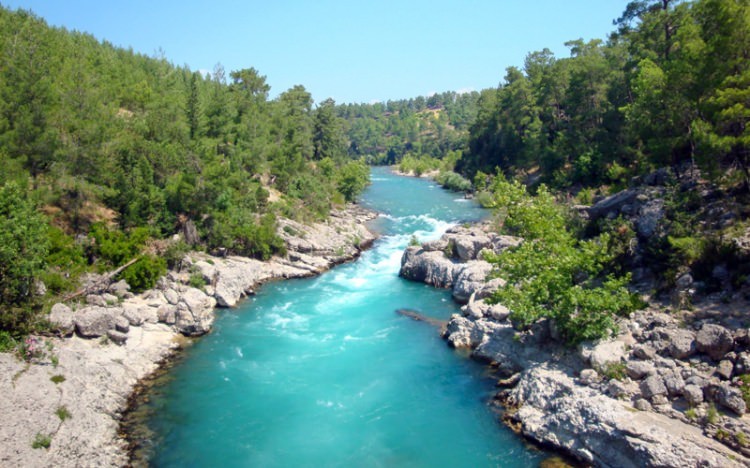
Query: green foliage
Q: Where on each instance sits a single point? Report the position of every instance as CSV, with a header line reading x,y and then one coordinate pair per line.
x,y
144,273
670,85
552,274
196,279
712,414
741,438
117,247
23,251
418,165
57,379
745,388
63,413
174,253
244,237
435,127
453,181
7,342
414,241
614,370
41,441
354,176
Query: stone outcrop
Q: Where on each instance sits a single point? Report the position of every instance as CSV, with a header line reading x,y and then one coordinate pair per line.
x,y
617,402
552,409
455,260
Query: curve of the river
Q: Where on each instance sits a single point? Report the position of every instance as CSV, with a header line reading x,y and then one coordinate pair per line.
x,y
322,372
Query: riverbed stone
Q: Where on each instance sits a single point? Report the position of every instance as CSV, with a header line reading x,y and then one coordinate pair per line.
x,y
652,386
674,383
730,398
693,394
61,318
122,324
95,321
681,343
589,377
639,369
171,296
470,279
714,340
117,337
724,369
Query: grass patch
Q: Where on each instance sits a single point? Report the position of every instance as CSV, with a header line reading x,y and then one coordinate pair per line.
x,y
41,441
63,413
712,414
614,370
57,378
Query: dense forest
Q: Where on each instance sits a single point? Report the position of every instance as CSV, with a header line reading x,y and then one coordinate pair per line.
x,y
669,86
106,151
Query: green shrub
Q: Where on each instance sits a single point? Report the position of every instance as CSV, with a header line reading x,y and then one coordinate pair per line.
x,y
116,247
144,273
453,181
486,200
241,236
7,342
41,441
175,253
552,273
712,415
614,370
414,241
63,413
585,196
745,388
196,279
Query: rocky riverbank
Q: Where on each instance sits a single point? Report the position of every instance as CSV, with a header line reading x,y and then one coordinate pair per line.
x,y
63,407
667,391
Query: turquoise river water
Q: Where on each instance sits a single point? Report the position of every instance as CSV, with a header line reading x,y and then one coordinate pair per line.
x,y
323,372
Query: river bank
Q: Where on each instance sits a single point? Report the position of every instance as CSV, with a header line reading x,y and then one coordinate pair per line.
x,y
69,398
664,392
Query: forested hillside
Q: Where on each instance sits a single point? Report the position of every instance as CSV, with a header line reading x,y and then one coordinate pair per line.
x,y
105,151
669,86
431,126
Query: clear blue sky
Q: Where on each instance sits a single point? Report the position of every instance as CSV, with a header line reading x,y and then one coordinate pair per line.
x,y
350,50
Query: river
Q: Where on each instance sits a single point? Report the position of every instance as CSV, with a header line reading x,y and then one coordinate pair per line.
x,y
323,372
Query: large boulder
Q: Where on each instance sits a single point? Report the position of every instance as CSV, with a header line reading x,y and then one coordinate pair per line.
x,y
462,332
429,267
471,278
681,343
194,314
139,313
61,319
727,396
235,278
648,220
714,340
653,386
602,353
612,204
95,321
467,247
